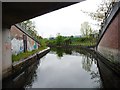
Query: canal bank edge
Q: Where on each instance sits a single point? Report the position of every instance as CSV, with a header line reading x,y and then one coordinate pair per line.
x,y
20,66
115,67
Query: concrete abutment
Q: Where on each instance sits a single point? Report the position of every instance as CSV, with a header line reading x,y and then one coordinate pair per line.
x,y
6,53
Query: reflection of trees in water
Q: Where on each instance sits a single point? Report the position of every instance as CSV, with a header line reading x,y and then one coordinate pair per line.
x,y
60,51
23,80
30,74
68,51
96,77
87,61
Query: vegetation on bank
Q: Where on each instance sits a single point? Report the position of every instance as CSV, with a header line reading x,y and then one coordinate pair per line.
x,y
62,41
29,26
26,54
88,37
84,41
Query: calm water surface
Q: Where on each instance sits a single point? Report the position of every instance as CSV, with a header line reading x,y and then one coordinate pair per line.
x,y
66,70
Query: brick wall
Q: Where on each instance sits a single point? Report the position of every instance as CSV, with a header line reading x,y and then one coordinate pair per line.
x,y
20,42
16,33
110,38
109,45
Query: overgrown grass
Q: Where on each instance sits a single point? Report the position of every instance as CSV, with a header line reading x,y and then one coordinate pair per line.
x,y
87,43
26,54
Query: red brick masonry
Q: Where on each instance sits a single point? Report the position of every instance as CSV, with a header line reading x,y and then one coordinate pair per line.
x,y
109,45
111,36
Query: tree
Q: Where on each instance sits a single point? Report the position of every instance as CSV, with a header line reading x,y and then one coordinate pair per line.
x,y
30,28
86,29
67,41
27,25
59,40
42,42
99,15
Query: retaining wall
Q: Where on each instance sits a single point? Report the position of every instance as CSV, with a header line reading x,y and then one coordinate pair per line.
x,y
109,44
21,42
20,66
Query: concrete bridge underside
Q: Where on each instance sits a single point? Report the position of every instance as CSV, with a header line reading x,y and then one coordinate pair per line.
x,y
16,12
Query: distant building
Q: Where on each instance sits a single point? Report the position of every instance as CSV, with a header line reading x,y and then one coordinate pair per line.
x,y
78,36
51,38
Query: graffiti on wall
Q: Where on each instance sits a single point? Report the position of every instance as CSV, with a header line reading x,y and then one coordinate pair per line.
x,y
19,40
31,44
17,46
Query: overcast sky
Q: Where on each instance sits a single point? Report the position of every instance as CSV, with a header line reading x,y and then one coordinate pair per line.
x,y
66,21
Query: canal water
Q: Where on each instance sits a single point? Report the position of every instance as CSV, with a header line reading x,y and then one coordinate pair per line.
x,y
65,68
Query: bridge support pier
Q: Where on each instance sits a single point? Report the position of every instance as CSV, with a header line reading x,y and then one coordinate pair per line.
x,y
6,53
0,58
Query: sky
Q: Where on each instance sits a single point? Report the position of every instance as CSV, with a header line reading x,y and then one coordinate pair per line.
x,y
66,21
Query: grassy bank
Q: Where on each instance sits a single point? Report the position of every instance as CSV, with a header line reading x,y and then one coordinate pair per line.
x,y
84,43
26,54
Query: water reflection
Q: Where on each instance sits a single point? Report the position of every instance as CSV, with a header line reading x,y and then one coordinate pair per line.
x,y
87,61
25,79
60,51
86,64
87,58
66,68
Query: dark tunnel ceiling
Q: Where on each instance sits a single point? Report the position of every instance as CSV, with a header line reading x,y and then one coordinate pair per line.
x,y
15,12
